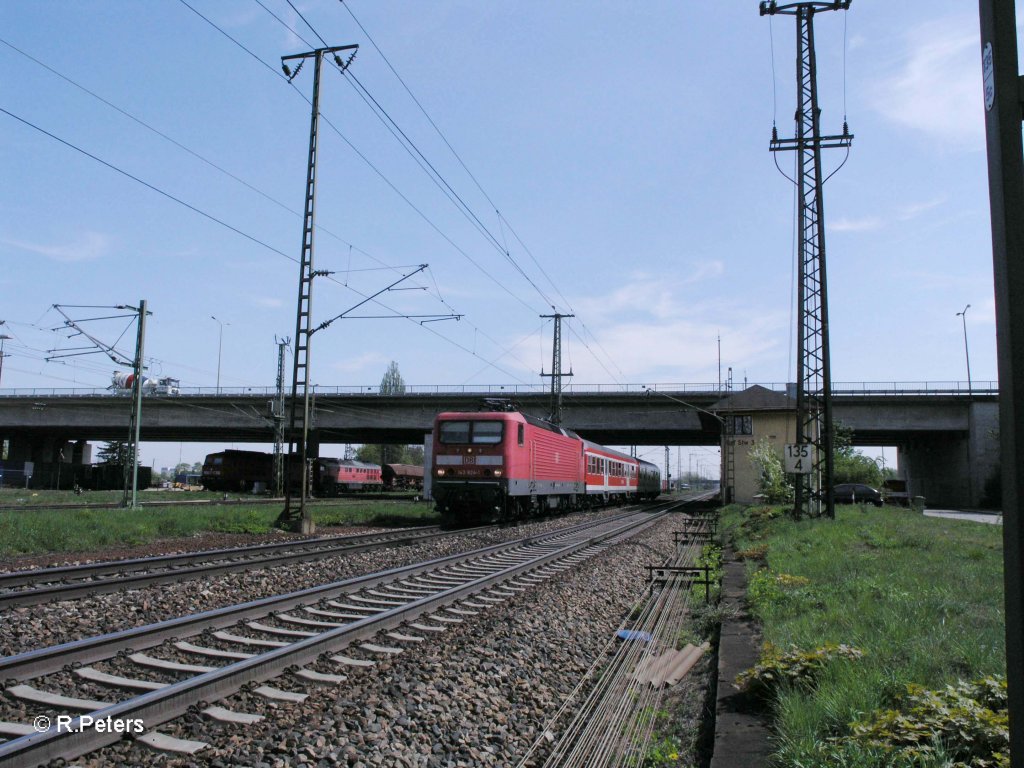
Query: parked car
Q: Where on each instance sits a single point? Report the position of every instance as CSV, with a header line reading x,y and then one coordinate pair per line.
x,y
856,493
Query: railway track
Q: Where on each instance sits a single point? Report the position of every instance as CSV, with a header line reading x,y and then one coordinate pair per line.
x,y
253,501
42,585
297,637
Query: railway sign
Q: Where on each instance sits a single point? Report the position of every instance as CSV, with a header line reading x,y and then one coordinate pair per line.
x,y
798,458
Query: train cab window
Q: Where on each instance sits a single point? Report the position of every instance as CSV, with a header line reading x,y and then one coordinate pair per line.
x,y
476,432
487,432
522,433
453,432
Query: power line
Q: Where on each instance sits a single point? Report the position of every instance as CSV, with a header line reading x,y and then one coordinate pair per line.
x,y
501,218
146,184
464,209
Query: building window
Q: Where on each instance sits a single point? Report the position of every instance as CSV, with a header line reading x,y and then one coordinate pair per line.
x,y
739,425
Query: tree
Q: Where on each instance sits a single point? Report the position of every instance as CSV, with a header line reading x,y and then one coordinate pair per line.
x,y
414,455
116,452
396,454
392,382
850,465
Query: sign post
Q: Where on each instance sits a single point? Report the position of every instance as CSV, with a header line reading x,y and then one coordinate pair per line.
x,y
798,458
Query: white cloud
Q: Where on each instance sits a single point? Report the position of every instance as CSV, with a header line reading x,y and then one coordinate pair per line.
x,y
935,87
866,224
913,210
267,302
364,362
873,223
655,295
654,329
90,246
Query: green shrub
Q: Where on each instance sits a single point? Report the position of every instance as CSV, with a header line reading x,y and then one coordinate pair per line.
x,y
967,724
771,475
759,552
794,668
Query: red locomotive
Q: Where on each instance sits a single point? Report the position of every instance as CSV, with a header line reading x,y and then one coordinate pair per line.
x,y
237,471
345,475
245,471
506,466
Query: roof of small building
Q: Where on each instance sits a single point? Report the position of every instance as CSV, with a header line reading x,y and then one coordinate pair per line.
x,y
755,398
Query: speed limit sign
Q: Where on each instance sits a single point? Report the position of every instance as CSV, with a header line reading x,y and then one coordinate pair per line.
x,y
798,458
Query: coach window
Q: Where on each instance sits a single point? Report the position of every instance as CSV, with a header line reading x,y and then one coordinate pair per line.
x,y
454,432
487,432
521,433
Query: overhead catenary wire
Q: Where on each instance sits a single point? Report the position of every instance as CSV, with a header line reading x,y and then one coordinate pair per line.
x,y
407,143
183,201
139,121
428,168
206,215
391,185
455,154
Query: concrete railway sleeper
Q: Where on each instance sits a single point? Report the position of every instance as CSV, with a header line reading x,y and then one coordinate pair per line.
x,y
293,631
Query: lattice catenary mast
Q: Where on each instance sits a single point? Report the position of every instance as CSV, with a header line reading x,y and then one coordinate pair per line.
x,y
556,370
297,517
813,382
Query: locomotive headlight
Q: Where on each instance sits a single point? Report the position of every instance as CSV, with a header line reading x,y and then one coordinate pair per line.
x,y
497,473
440,472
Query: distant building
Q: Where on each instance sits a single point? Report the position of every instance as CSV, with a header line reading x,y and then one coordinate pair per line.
x,y
748,416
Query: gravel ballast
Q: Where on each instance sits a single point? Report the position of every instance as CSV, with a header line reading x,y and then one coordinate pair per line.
x,y
479,693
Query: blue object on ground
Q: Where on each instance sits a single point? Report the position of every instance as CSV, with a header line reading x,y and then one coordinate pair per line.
x,y
632,634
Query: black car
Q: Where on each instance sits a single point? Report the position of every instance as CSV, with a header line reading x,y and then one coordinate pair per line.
x,y
856,493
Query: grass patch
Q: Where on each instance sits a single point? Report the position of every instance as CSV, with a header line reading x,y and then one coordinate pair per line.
x,y
921,597
39,530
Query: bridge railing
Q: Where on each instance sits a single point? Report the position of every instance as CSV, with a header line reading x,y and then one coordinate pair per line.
x,y
873,388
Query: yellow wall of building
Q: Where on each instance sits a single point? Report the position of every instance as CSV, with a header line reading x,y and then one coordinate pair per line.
x,y
779,427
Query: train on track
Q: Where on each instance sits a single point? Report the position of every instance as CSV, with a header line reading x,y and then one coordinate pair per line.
x,y
247,471
509,465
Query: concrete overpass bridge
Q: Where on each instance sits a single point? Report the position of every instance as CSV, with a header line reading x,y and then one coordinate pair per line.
x,y
943,432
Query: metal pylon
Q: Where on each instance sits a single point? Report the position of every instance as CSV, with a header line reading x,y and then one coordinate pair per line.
x,y
813,381
297,516
278,413
556,370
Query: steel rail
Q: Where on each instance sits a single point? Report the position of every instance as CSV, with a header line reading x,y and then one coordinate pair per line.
x,y
19,578
160,706
221,563
260,501
43,661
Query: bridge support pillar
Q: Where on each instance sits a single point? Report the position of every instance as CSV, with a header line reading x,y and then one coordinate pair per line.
x,y
954,470
45,449
81,453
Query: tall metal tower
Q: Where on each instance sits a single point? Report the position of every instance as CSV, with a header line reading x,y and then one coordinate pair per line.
x,y
297,517
278,414
131,470
813,380
556,370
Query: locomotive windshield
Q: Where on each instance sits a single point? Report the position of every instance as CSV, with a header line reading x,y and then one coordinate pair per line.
x,y
476,432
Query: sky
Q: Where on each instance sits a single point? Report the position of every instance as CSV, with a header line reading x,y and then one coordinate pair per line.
x,y
607,160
